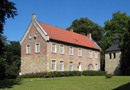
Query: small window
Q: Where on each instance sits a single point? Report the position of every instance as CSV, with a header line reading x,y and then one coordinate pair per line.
x,y
61,49
35,36
54,48
53,65
90,54
61,66
28,49
71,50
71,66
96,55
89,68
110,55
114,54
30,37
80,52
37,48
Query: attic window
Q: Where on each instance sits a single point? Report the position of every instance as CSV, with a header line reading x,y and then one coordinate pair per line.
x,y
30,37
76,40
35,36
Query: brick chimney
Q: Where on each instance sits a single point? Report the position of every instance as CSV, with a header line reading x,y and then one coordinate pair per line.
x,y
71,29
89,36
34,16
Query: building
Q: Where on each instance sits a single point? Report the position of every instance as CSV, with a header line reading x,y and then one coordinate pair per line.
x,y
48,48
112,57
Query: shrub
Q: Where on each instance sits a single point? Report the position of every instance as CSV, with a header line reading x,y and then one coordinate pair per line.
x,y
109,75
93,73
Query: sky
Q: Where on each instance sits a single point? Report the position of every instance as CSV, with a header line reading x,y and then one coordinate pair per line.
x,y
61,13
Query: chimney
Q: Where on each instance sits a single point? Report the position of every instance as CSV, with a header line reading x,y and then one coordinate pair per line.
x,y
71,29
89,36
34,16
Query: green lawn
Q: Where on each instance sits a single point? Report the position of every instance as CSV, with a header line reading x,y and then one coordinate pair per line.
x,y
70,83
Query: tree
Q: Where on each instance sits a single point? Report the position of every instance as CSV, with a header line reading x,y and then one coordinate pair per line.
x,y
125,59
7,10
116,26
84,26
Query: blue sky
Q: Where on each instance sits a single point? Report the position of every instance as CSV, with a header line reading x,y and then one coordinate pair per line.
x,y
61,13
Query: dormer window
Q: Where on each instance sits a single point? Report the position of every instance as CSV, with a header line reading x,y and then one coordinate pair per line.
x,y
35,36
30,37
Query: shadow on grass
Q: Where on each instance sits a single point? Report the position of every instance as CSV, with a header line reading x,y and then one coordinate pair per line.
x,y
123,87
9,84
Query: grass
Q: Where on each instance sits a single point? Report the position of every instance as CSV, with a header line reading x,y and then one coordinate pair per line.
x,y
70,83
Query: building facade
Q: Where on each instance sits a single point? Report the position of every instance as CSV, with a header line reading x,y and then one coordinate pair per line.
x,y
48,48
112,57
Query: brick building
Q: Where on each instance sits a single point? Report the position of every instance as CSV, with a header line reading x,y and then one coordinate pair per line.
x,y
48,48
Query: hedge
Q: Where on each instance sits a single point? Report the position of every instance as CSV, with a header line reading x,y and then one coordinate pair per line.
x,y
62,74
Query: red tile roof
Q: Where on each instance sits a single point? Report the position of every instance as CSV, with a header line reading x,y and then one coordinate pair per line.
x,y
67,36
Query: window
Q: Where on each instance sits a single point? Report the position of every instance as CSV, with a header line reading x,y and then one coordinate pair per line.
x,y
96,55
30,36
71,66
80,52
61,66
96,67
61,49
71,50
89,68
28,49
79,66
37,48
53,65
110,55
90,54
114,54
35,36
54,48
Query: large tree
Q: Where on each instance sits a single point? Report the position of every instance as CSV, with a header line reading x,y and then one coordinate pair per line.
x,y
7,10
85,26
125,59
116,26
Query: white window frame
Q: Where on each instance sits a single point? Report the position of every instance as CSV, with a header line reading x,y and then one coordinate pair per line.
x,y
61,66
28,49
96,54
71,66
79,52
71,50
37,49
54,49
61,49
90,53
53,64
30,36
96,67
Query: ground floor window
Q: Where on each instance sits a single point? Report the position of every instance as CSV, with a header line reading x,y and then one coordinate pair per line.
x,y
61,66
53,65
71,66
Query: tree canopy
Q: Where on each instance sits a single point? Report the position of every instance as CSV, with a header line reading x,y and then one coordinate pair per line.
x,y
84,26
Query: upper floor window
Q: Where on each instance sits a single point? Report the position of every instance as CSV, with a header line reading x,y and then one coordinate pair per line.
x,y
96,55
114,54
80,52
61,49
90,54
71,50
35,36
110,55
54,48
37,47
28,49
